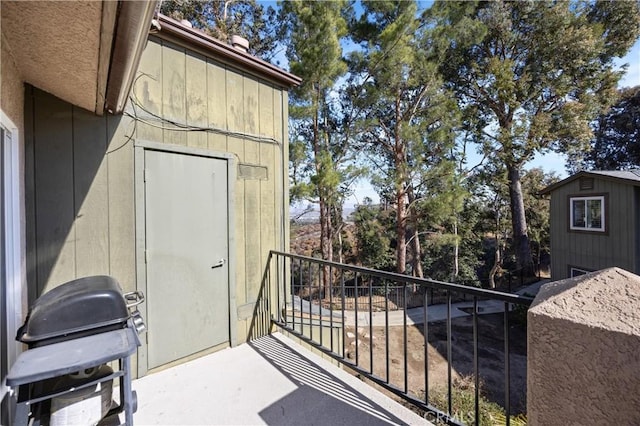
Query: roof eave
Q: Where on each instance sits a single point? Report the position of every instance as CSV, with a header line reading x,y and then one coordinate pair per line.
x,y
196,37
583,173
130,38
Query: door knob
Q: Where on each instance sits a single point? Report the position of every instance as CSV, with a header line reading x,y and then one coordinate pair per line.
x,y
220,264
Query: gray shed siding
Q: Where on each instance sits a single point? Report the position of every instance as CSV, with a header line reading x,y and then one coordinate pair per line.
x,y
80,170
595,250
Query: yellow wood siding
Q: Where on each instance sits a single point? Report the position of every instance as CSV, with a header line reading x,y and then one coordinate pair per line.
x,y
83,196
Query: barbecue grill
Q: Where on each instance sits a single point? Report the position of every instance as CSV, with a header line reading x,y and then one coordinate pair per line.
x,y
72,331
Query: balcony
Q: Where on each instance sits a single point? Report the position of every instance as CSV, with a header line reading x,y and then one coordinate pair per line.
x,y
312,362
271,380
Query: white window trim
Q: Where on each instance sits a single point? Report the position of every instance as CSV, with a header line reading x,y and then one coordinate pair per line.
x,y
603,213
13,241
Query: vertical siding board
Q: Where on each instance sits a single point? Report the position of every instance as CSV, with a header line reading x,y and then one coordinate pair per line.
x,y
174,105
91,194
251,108
235,101
217,105
147,90
55,213
265,113
253,207
196,98
268,215
268,159
253,210
285,155
30,195
279,172
120,169
238,228
234,89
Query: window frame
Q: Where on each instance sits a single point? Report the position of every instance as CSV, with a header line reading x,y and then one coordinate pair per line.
x,y
577,269
12,294
603,198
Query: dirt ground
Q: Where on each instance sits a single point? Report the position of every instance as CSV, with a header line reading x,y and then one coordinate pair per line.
x,y
490,356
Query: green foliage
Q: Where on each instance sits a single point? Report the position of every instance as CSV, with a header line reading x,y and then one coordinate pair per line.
x,y
538,212
222,19
321,160
616,145
407,120
531,76
373,228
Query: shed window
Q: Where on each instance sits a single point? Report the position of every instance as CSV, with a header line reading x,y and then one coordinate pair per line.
x,y
587,213
576,272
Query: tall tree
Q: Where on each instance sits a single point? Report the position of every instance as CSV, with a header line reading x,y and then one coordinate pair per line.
x,y
536,73
406,124
616,142
312,32
222,19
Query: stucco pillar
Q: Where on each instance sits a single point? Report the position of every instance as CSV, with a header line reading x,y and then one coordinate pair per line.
x,y
583,365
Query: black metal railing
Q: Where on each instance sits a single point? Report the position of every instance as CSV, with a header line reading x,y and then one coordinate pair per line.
x,y
309,298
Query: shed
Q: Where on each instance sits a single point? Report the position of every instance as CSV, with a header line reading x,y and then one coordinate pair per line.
x,y
181,196
595,222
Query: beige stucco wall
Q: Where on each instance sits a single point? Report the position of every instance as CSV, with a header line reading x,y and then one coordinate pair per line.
x,y
40,32
583,344
12,91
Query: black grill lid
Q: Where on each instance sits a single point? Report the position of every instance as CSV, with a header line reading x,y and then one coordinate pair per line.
x,y
76,306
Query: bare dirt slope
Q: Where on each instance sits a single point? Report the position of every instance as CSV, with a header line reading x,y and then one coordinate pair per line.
x,y
490,353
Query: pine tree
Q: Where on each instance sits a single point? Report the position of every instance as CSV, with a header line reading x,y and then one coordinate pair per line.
x,y
535,73
406,123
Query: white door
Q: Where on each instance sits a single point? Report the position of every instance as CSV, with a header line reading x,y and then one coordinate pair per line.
x,y
186,209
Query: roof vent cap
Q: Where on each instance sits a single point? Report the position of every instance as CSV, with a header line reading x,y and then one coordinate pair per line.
x,y
240,43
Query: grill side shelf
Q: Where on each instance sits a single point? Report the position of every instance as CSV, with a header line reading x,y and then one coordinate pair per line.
x,y
73,355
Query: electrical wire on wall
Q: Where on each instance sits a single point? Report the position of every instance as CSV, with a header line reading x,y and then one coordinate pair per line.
x,y
154,120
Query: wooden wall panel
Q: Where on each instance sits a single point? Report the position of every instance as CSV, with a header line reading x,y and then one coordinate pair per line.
x,y
235,101
238,228
147,89
216,105
251,109
196,98
86,167
174,103
122,254
266,114
54,198
593,250
30,195
90,193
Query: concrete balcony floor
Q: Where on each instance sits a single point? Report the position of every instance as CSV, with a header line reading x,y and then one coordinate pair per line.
x,y
270,381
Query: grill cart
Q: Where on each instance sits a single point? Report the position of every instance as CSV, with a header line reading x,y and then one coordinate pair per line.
x,y
72,332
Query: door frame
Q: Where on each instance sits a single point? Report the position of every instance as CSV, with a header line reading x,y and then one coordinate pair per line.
x,y
140,234
13,295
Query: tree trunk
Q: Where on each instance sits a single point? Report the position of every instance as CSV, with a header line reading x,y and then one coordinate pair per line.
x,y
519,220
401,239
401,208
497,259
496,264
415,242
325,212
456,251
